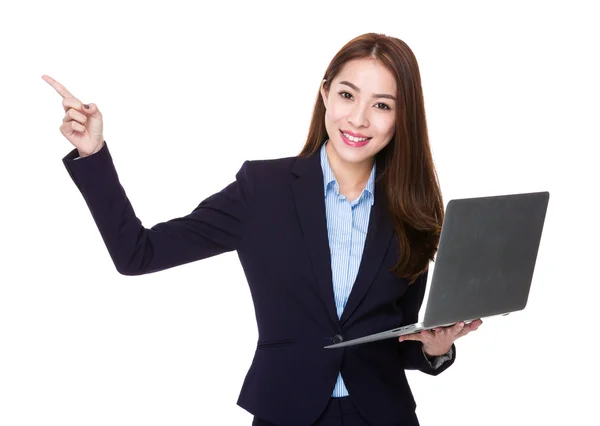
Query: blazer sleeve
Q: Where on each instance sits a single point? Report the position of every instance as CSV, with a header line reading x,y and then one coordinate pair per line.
x,y
411,351
215,226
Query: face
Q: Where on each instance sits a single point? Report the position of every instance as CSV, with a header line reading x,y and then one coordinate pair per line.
x,y
360,104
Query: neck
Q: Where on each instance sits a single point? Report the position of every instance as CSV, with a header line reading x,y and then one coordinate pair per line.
x,y
350,176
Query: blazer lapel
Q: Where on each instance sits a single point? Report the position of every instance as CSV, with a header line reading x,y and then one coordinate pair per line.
x,y
309,197
379,234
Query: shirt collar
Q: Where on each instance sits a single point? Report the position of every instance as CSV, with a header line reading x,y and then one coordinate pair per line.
x,y
328,177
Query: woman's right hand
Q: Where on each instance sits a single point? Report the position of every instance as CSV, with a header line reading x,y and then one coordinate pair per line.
x,y
81,126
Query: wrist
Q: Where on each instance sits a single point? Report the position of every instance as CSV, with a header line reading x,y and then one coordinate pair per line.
x,y
95,150
432,353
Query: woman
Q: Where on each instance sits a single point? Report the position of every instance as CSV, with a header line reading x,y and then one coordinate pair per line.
x,y
335,243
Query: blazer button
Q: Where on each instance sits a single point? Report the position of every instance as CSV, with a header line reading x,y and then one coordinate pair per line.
x,y
338,338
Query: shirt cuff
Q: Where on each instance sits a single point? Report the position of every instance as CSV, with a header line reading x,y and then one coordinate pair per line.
x,y
437,361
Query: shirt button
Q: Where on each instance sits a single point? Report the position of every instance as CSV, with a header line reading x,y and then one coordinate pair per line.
x,y
338,338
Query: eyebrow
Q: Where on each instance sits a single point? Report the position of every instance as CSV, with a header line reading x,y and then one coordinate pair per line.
x,y
377,95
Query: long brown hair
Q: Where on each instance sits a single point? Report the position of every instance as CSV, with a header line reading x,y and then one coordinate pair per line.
x,y
405,166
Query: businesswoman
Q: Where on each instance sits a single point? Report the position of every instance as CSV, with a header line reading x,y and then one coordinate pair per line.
x,y
335,243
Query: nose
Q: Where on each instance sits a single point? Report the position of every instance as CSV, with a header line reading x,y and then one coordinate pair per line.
x,y
358,116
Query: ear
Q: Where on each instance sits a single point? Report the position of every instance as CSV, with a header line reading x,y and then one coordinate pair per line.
x,y
324,92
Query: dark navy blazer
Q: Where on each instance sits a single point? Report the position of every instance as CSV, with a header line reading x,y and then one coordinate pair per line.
x,y
273,215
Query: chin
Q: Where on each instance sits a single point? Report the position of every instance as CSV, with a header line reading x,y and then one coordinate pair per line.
x,y
351,154
354,158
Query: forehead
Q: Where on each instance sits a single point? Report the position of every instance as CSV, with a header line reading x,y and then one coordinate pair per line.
x,y
369,75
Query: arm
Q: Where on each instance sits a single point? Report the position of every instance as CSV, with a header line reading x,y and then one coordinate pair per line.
x,y
411,352
215,226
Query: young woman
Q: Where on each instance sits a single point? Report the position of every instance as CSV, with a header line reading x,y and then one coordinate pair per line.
x,y
335,243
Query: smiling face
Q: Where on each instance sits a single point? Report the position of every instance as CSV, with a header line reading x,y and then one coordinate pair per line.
x,y
360,104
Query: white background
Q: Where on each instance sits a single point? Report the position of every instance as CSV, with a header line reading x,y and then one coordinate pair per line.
x,y
188,92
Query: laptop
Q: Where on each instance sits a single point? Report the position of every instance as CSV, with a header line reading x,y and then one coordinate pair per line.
x,y
484,264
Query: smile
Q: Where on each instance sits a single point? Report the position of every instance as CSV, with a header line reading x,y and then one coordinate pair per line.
x,y
352,141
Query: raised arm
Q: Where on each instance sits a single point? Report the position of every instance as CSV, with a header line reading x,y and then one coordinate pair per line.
x,y
215,226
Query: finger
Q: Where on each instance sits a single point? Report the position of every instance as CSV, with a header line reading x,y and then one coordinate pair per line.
x,y
92,110
430,336
438,333
74,103
62,90
469,328
74,115
67,129
457,328
473,325
413,336
462,333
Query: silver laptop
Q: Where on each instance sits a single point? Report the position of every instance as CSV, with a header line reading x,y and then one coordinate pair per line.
x,y
484,264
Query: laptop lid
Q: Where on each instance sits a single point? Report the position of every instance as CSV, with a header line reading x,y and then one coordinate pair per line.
x,y
486,257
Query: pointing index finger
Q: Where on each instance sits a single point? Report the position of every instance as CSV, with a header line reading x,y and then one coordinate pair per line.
x,y
62,90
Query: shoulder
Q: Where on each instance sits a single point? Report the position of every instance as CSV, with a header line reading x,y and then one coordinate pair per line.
x,y
282,170
270,168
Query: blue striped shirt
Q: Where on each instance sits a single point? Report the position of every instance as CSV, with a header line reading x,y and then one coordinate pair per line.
x,y
347,224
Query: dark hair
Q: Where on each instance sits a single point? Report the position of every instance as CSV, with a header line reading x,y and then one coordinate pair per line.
x,y
405,165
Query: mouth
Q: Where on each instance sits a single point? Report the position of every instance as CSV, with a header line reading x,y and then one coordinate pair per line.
x,y
354,141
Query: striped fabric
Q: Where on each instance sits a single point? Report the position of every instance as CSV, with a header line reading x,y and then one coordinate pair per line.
x,y
347,224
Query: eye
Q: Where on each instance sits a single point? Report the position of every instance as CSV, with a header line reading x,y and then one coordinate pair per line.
x,y
384,107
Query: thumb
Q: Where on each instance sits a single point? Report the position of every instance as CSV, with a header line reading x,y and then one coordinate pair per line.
x,y
412,336
92,110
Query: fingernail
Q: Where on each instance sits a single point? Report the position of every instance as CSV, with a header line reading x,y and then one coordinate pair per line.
x,y
86,106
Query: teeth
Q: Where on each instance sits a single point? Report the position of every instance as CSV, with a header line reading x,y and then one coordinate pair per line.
x,y
353,139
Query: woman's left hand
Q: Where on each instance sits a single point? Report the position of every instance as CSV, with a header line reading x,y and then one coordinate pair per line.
x,y
438,341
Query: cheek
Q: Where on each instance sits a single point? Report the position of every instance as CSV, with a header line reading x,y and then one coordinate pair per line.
x,y
334,114
337,111
386,126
